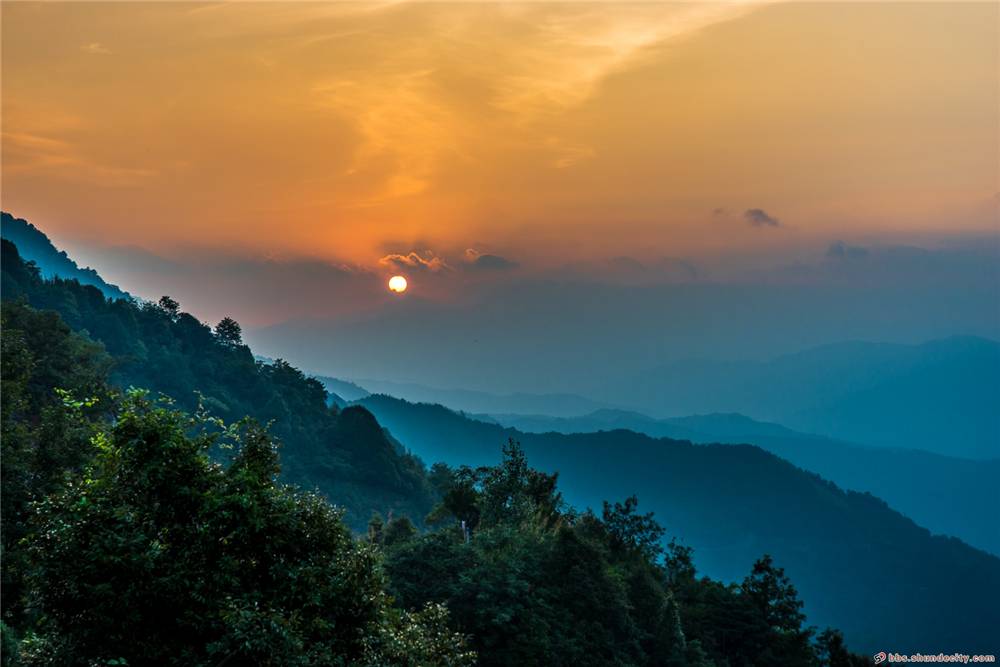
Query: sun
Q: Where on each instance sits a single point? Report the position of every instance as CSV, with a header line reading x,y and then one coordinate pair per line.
x,y
397,284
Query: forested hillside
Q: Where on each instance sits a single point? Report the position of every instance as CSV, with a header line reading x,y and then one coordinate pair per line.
x,y
854,558
52,262
953,505
345,454
124,543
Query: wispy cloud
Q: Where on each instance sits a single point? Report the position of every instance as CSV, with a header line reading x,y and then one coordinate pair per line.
x,y
30,152
555,57
96,48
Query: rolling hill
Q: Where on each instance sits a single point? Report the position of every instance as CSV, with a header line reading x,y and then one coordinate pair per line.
x,y
948,495
851,555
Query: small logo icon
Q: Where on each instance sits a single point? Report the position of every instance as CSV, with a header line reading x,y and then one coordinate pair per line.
x,y
880,657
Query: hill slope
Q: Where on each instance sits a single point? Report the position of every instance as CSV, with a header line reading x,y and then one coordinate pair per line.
x,y
962,500
35,246
852,557
344,453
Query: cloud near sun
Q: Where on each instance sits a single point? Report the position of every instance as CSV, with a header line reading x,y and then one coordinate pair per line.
x,y
429,262
414,261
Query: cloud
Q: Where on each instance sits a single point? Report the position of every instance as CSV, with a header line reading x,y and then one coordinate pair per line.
x,y
413,261
841,251
32,153
96,48
758,217
475,260
410,115
719,212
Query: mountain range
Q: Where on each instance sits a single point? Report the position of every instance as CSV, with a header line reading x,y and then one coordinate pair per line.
x,y
941,396
855,560
946,494
557,405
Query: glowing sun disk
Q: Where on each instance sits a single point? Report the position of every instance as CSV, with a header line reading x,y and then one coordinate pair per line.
x,y
397,284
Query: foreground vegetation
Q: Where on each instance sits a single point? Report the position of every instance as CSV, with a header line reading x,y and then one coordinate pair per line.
x,y
136,532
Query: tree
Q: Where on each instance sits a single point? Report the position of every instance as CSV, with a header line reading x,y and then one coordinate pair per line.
x,y
163,557
631,530
771,593
679,563
375,526
229,332
504,496
460,499
832,651
399,529
778,610
169,306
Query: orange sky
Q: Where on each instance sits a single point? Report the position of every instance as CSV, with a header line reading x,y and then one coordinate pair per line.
x,y
545,133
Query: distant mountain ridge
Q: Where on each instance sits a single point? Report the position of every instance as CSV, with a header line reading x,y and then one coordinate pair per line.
x,y
953,505
344,389
35,246
942,396
698,428
556,404
956,503
850,555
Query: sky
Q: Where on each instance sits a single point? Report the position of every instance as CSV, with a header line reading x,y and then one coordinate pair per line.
x,y
529,167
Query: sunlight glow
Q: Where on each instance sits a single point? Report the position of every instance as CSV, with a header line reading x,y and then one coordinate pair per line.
x,y
397,284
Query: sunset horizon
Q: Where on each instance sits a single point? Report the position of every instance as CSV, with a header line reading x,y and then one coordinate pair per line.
x,y
438,334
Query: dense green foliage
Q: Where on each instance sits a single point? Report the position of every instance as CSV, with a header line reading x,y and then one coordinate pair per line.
x,y
158,556
44,432
345,454
534,582
126,543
